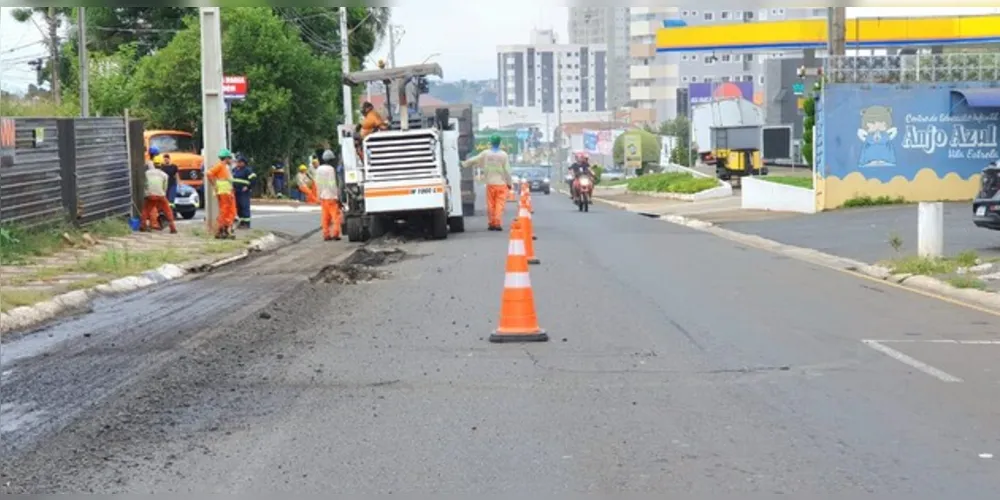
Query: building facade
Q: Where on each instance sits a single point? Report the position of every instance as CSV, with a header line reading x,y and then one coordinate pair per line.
x,y
660,81
608,26
555,77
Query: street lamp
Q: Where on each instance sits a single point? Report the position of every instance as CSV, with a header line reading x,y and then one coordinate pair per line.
x,y
428,58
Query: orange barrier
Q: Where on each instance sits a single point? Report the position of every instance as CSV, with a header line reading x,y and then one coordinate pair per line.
x,y
518,321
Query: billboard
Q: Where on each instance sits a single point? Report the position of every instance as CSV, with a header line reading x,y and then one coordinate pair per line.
x,y
234,88
700,93
600,141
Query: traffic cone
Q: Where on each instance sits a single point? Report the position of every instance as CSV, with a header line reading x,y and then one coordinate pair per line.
x,y
524,219
518,321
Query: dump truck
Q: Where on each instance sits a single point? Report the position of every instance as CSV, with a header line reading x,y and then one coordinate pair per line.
x,y
410,172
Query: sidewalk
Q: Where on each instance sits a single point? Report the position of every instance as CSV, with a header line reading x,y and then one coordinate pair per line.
x,y
884,235
81,262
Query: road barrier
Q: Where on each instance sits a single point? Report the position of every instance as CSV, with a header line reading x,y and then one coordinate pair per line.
x,y
518,320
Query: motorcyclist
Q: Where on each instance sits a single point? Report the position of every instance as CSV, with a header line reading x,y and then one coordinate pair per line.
x,y
580,167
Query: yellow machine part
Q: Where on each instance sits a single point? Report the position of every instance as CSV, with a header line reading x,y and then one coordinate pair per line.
x,y
735,160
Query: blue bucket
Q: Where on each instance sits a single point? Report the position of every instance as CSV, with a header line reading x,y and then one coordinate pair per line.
x,y
133,223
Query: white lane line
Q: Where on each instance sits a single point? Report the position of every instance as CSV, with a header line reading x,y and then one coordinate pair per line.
x,y
915,363
941,341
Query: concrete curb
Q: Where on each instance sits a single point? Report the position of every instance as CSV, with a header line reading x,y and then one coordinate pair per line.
x,y
27,316
928,284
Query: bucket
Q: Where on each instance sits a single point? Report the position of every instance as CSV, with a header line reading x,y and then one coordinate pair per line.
x,y
133,223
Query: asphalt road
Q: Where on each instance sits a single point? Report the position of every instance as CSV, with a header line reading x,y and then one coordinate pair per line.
x,y
679,363
864,233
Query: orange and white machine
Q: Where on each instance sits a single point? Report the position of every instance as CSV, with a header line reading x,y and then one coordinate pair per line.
x,y
411,171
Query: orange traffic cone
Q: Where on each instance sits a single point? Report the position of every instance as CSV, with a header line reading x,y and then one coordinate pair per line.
x,y
528,230
510,194
518,321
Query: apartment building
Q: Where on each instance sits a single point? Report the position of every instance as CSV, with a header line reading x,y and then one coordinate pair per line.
x,y
528,75
660,81
608,26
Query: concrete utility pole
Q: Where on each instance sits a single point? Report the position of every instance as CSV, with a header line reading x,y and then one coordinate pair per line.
x,y
345,66
836,24
84,66
53,23
394,38
213,106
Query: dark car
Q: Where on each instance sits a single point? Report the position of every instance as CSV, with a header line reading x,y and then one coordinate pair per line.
x,y
538,179
986,206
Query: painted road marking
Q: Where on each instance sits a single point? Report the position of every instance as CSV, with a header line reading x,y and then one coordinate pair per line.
x,y
941,341
915,363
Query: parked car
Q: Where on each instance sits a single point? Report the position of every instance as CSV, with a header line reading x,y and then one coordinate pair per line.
x,y
187,201
986,206
612,175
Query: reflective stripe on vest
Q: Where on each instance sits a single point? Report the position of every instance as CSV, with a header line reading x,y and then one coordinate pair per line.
x,y
223,186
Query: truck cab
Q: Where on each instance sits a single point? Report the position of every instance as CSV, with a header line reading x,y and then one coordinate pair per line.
x,y
184,152
409,172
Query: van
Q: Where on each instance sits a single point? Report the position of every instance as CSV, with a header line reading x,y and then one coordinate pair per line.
x,y
184,152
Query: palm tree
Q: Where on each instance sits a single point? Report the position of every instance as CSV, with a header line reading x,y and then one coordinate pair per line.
x,y
53,17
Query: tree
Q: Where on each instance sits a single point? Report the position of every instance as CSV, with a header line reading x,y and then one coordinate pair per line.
x,y
320,28
53,18
650,147
809,109
147,28
679,128
294,97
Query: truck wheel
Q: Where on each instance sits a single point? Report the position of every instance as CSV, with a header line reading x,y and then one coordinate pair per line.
x,y
188,215
456,224
355,229
377,227
439,225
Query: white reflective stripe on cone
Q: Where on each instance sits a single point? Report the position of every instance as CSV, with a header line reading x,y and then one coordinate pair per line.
x,y
524,213
516,280
516,247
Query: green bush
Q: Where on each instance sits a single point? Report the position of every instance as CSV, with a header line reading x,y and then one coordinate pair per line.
x,y
650,147
869,201
671,182
598,170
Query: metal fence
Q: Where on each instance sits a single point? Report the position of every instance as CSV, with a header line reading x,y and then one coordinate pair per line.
x,y
63,169
959,67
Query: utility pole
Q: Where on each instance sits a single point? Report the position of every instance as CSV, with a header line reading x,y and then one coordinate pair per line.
x,y
345,65
53,24
213,131
394,38
836,23
84,66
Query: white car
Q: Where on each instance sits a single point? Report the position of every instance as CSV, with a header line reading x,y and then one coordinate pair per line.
x,y
186,202
612,175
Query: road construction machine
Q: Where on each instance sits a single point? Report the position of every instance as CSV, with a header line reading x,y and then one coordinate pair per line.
x,y
409,172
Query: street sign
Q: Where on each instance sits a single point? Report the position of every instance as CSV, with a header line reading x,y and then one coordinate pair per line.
x,y
633,151
234,88
799,88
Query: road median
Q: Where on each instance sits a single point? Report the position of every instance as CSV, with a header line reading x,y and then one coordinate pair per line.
x,y
53,271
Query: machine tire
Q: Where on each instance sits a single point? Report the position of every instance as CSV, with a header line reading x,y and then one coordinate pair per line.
x,y
456,224
439,225
355,229
188,215
377,227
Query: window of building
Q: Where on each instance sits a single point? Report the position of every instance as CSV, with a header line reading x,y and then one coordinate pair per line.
x,y
748,57
684,57
747,78
748,15
726,58
694,13
685,79
709,16
762,15
761,79
685,13
724,15
725,79
709,60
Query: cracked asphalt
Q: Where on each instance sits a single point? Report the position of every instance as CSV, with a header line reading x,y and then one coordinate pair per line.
x,y
678,363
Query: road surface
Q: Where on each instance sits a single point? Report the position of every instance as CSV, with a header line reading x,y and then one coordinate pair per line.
x,y
679,363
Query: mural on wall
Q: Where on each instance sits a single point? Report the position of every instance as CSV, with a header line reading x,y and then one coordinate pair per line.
x,y
921,142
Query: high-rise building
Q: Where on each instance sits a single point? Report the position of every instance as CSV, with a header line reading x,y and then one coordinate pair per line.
x,y
528,73
608,26
660,82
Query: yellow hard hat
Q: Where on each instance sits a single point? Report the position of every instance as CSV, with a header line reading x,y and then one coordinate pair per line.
x,y
158,160
303,168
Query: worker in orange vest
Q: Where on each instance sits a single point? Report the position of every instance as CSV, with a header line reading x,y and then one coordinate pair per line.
x,y
221,179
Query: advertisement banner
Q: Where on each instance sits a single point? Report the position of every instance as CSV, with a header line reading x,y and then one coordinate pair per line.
x,y
508,141
633,151
700,93
8,141
591,138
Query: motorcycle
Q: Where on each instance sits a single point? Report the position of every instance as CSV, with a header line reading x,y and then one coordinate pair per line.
x,y
585,190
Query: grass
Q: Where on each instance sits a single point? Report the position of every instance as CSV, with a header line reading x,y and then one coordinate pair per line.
x,y
967,282
10,299
124,262
869,201
931,266
20,245
802,182
671,182
616,182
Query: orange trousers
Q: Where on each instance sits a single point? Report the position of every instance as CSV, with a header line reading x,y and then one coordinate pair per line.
x,y
496,201
151,208
310,195
330,219
227,211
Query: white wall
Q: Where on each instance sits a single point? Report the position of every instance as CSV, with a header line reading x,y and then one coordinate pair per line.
x,y
766,195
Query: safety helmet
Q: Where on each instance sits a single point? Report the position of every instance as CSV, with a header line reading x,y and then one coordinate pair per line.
x,y
582,156
158,160
303,168
328,155
153,151
225,153
495,140
241,158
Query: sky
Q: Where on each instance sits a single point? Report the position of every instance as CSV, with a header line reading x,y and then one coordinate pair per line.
x,y
457,34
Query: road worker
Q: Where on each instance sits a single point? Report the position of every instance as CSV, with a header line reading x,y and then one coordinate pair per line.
x,y
329,194
278,179
243,182
221,179
156,199
305,185
496,170
371,120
